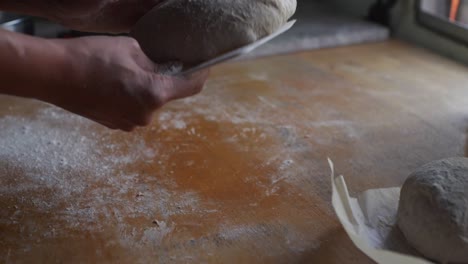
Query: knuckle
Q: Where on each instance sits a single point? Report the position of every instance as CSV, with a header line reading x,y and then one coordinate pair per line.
x,y
154,93
199,88
134,43
196,89
154,100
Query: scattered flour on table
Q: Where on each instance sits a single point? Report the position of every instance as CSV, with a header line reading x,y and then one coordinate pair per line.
x,y
64,168
55,146
173,120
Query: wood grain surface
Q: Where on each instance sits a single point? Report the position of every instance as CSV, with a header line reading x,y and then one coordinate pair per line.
x,y
237,174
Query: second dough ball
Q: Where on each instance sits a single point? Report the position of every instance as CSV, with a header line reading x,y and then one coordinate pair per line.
x,y
433,210
193,31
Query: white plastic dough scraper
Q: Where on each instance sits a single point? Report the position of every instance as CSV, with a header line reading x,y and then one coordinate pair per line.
x,y
237,52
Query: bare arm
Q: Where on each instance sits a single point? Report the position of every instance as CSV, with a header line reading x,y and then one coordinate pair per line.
x,y
37,8
106,79
31,67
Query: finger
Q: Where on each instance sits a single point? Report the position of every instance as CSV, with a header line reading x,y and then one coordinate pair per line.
x,y
201,74
185,86
122,124
95,118
138,119
127,128
140,57
145,63
106,124
126,125
144,121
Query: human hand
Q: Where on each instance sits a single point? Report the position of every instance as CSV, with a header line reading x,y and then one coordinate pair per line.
x,y
111,81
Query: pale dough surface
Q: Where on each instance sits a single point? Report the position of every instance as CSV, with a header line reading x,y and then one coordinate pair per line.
x,y
193,31
433,210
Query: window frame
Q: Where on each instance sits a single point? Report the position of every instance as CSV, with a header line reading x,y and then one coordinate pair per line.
x,y
452,30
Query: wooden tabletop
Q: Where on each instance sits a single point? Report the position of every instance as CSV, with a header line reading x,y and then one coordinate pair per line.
x,y
237,174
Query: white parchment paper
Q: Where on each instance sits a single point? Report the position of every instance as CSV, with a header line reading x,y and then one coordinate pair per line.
x,y
370,222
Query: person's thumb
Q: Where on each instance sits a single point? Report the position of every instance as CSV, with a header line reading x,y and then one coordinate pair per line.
x,y
184,86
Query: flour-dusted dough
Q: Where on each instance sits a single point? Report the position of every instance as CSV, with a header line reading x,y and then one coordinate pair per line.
x,y
433,210
193,31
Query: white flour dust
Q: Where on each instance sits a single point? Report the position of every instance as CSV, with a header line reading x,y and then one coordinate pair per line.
x,y
65,168
55,146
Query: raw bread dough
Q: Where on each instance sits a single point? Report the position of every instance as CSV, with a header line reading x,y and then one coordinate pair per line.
x,y
194,31
433,210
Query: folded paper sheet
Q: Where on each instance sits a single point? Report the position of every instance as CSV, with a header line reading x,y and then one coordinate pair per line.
x,y
370,222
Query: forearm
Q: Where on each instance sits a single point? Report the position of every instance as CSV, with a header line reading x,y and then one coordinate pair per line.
x,y
38,8
31,67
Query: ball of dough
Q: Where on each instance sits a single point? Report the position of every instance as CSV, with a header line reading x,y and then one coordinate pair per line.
x,y
433,210
194,31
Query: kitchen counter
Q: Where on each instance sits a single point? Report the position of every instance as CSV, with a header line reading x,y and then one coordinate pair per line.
x,y
237,174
